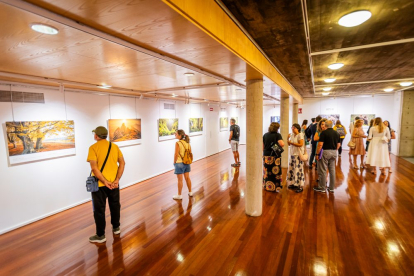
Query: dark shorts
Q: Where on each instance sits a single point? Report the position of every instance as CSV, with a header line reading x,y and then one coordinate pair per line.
x,y
181,168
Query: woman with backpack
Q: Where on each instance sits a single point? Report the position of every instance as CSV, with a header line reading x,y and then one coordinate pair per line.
x,y
182,160
342,133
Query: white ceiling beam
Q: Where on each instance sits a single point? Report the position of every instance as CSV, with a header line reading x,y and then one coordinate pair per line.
x,y
98,33
363,82
308,43
367,46
222,84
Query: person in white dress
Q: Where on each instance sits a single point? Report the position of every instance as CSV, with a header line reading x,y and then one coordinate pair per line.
x,y
378,155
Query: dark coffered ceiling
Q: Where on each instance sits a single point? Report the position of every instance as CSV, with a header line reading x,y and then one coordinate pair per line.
x,y
277,26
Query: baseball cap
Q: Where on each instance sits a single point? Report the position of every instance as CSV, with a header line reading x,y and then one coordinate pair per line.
x,y
100,131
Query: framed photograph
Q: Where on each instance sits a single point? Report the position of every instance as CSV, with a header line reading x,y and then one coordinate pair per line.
x,y
224,123
275,119
365,117
332,117
31,141
124,132
195,126
167,129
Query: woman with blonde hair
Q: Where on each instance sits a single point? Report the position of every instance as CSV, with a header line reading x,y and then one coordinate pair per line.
x,y
358,136
342,133
378,155
182,169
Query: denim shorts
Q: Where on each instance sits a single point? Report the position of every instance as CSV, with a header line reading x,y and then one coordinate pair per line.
x,y
181,168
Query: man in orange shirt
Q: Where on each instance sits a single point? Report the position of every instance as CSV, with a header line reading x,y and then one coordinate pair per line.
x,y
108,182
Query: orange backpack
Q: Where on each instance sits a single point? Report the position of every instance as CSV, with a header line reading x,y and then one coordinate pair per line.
x,y
188,155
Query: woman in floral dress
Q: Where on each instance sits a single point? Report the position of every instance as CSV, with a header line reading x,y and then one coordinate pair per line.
x,y
272,171
296,175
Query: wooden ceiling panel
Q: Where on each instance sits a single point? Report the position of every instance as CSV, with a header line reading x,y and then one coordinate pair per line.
x,y
76,56
155,26
380,63
391,20
277,27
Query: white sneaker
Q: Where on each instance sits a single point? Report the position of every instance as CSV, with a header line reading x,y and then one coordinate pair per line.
x,y
190,194
178,197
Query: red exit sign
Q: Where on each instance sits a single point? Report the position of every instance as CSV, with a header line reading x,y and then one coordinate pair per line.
x,y
211,109
300,110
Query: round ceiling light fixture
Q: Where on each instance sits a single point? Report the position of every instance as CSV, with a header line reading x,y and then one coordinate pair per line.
x,y
329,80
407,83
354,18
335,66
44,29
388,89
327,89
326,93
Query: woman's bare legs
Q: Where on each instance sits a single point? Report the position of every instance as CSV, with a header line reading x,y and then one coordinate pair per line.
x,y
362,161
187,181
355,161
180,183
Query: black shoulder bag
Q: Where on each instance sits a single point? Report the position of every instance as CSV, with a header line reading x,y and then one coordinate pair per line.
x,y
92,183
277,150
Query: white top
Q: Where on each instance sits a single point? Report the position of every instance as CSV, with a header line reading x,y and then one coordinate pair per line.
x,y
374,133
295,139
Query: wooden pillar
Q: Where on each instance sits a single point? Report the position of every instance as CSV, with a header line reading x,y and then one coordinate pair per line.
x,y
254,142
295,113
284,128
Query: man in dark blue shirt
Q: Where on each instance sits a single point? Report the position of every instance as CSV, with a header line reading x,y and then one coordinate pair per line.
x,y
234,141
314,143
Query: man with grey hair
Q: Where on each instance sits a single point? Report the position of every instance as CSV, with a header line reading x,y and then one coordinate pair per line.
x,y
326,153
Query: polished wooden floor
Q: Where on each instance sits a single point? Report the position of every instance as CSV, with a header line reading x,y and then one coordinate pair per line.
x,y
365,228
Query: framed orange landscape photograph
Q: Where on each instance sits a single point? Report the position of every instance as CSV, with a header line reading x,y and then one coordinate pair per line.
x,y
124,132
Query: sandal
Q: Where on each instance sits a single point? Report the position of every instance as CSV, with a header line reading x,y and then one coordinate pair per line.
x,y
356,167
374,172
362,167
382,171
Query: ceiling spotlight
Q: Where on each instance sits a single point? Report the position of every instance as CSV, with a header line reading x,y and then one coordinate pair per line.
x,y
104,86
325,94
189,74
329,80
388,89
335,66
354,18
406,83
44,29
173,95
327,89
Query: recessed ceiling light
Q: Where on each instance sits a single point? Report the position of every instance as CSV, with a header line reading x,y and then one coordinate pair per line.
x,y
335,66
330,80
327,89
326,93
104,86
406,83
354,18
173,95
388,89
189,74
44,29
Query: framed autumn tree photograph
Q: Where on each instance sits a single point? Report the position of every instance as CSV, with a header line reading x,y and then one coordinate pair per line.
x,y
36,140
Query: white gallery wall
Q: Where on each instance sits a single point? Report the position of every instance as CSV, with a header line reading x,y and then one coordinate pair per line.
x,y
388,107
384,106
32,191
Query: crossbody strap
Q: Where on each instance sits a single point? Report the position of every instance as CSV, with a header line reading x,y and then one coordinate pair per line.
x,y
106,158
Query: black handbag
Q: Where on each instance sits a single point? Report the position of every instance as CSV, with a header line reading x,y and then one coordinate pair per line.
x,y
92,182
277,149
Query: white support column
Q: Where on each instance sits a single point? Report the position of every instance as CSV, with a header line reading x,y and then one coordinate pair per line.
x,y
295,112
284,128
254,142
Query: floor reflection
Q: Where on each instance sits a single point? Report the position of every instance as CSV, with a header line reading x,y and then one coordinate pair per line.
x,y
234,191
184,223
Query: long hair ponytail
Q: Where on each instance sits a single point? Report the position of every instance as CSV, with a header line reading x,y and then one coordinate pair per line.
x,y
183,136
378,122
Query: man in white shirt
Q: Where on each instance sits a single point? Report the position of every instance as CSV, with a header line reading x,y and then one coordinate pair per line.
x,y
351,125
